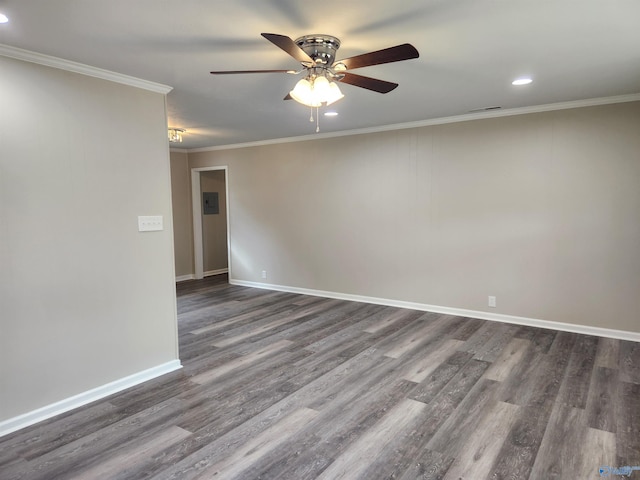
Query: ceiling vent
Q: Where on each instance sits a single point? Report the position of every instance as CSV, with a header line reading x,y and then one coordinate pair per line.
x,y
484,109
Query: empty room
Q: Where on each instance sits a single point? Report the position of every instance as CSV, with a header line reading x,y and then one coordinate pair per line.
x,y
350,240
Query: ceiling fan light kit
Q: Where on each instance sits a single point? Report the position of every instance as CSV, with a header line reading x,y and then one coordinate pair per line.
x,y
316,92
316,53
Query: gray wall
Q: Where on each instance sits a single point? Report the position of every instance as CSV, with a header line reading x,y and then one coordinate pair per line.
x,y
540,210
86,298
182,217
214,227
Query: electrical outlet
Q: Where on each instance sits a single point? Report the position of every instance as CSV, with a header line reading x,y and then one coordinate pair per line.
x,y
492,301
264,274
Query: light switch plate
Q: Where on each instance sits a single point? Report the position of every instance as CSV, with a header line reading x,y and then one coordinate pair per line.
x,y
151,223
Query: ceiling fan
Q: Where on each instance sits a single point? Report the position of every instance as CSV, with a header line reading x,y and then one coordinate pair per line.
x,y
317,53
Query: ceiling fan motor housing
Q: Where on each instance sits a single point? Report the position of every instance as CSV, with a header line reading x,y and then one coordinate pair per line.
x,y
321,48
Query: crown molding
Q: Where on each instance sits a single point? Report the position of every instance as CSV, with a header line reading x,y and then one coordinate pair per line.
x,y
178,150
590,102
75,67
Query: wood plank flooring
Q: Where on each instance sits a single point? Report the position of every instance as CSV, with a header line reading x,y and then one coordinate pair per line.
x,y
283,386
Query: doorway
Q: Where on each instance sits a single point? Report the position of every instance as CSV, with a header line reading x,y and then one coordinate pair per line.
x,y
211,246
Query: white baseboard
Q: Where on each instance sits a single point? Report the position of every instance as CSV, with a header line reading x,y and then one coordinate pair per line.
x,y
211,273
35,416
496,317
184,278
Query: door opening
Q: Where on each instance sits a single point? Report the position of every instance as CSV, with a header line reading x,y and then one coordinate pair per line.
x,y
210,199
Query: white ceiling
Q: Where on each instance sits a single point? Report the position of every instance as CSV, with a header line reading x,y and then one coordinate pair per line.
x,y
470,51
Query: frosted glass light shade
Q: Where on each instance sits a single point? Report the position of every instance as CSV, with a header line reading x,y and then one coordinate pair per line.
x,y
303,93
334,93
316,92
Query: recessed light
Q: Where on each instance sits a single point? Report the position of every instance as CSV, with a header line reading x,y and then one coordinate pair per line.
x,y
4,18
522,81
330,114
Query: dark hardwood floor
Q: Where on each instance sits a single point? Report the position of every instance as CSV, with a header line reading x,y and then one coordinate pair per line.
x,y
285,386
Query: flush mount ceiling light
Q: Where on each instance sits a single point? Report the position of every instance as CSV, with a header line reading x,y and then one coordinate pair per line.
x,y
522,81
175,135
4,18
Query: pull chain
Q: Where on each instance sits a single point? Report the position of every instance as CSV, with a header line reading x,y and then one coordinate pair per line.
x,y
317,119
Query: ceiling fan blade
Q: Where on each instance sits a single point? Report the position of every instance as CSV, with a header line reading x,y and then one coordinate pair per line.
x,y
398,53
288,97
380,86
229,72
289,46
